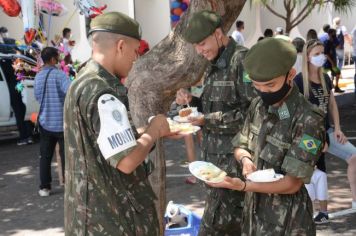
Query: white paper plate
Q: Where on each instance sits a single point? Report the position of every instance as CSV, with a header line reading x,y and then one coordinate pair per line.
x,y
197,166
267,175
185,119
183,128
192,131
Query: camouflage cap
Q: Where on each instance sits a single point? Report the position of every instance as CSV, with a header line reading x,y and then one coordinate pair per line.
x,y
269,58
201,25
116,22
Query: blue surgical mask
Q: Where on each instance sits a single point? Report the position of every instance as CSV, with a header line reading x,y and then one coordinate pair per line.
x,y
319,60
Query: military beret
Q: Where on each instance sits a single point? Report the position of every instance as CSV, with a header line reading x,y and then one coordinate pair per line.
x,y
269,58
116,22
201,25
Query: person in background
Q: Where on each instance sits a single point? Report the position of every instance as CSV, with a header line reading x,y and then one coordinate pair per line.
x,y
279,34
268,33
237,34
324,35
317,88
330,52
354,53
342,37
51,85
7,46
298,44
311,34
67,42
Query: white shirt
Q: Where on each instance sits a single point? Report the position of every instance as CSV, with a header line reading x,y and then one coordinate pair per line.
x,y
343,30
66,46
238,37
353,34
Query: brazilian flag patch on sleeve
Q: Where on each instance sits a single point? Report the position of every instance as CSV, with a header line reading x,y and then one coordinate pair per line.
x,y
309,144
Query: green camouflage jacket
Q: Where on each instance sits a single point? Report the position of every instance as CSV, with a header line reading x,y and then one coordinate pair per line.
x,y
226,97
288,139
99,199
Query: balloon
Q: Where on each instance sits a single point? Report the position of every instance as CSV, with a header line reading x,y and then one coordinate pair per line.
x,y
51,7
19,87
184,6
28,18
177,11
186,2
175,18
34,117
11,7
144,47
89,8
175,4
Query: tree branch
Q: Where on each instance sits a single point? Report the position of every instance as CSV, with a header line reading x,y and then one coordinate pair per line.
x,y
294,4
295,23
300,14
285,4
274,12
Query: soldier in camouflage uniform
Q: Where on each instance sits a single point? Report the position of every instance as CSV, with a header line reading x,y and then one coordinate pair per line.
x,y
226,96
106,190
282,131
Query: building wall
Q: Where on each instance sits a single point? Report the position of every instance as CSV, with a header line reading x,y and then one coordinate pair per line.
x,y
154,18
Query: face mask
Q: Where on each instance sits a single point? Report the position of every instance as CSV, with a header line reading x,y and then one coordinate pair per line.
x,y
274,97
318,61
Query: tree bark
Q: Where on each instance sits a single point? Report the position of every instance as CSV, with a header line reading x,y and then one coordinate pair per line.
x,y
170,65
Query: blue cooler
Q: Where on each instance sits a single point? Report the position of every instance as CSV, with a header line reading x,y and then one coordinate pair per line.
x,y
191,229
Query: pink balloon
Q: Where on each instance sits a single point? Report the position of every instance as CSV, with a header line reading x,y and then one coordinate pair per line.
x,y
186,1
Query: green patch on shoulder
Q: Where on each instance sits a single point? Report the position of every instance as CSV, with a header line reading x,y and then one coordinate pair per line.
x,y
309,144
246,78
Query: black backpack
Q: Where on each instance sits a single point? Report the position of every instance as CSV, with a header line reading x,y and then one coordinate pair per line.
x,y
340,38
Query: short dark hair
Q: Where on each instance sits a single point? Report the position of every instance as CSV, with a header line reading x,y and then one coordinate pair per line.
x,y
312,34
326,28
66,31
268,33
3,29
298,44
48,53
239,23
331,31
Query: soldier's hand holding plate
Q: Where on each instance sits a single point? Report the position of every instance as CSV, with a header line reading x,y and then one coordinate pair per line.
x,y
230,183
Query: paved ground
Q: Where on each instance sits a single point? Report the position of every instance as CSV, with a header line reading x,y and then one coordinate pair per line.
x,y
23,212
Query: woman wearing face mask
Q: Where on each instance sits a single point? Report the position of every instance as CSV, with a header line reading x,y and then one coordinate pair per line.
x,y
317,88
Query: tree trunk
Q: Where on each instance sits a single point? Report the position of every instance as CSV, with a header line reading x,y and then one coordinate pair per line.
x,y
170,65
288,25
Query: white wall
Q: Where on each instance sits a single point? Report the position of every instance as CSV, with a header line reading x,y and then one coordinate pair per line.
x,y
154,18
13,24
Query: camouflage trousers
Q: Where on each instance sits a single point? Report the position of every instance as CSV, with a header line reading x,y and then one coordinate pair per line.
x,y
223,207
